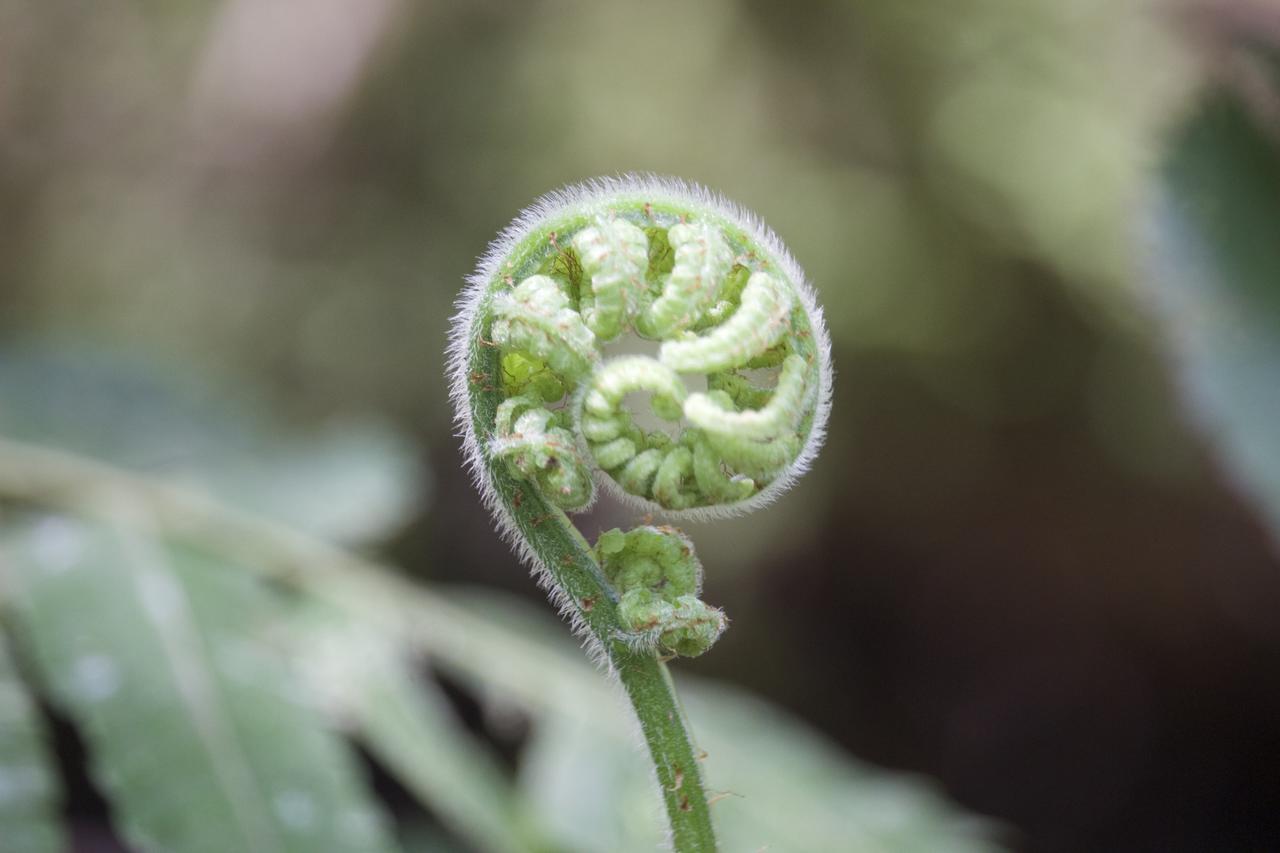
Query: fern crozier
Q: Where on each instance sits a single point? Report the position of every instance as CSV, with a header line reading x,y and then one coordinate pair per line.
x,y
714,402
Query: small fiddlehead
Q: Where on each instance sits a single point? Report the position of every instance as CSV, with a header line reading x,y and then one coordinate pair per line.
x,y
658,580
737,384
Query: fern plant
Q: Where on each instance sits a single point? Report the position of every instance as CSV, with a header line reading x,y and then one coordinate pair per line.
x,y
546,414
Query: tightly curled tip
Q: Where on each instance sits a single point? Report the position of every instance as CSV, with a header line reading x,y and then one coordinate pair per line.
x,y
721,300
761,320
614,254
712,299
535,445
658,577
536,319
702,260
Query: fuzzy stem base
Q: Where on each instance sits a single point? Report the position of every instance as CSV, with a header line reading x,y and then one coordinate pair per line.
x,y
648,685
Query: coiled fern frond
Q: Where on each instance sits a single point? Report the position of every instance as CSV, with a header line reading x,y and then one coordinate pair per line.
x,y
648,336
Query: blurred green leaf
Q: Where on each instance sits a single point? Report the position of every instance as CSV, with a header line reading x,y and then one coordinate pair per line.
x,y
1215,226
784,786
790,788
407,724
198,734
348,481
775,785
583,775
29,784
593,789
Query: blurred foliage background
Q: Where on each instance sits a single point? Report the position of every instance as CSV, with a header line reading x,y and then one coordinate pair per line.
x,y
1016,569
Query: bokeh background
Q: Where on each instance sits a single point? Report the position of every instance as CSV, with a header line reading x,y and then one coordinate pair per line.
x,y
1015,568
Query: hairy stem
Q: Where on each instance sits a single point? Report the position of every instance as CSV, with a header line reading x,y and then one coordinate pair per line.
x,y
577,581
578,576
648,684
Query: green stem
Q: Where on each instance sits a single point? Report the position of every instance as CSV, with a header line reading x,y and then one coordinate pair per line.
x,y
576,576
576,581
653,697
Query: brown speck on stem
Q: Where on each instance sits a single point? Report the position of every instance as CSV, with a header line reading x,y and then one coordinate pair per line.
x,y
589,602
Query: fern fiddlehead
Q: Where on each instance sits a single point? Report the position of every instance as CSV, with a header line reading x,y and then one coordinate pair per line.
x,y
737,384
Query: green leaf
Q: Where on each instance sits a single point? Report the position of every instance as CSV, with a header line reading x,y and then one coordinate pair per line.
x,y
348,481
198,732
593,789
406,722
412,731
774,784
785,787
29,783
1214,225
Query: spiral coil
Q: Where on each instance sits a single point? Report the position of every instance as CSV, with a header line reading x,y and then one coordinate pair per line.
x,y
716,313
733,379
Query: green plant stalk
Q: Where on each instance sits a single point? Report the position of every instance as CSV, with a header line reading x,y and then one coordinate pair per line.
x,y
543,415
577,582
648,684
